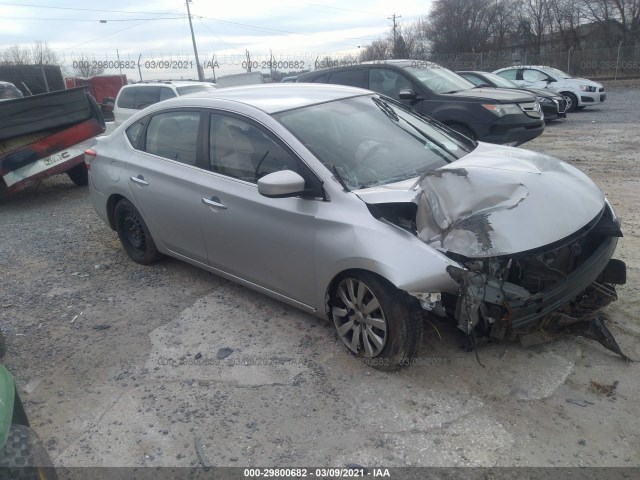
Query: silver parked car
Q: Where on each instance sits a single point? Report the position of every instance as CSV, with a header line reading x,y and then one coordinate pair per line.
x,y
352,207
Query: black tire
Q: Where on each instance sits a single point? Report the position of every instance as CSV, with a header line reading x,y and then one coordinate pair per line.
x,y
134,234
461,129
79,175
23,456
390,317
572,101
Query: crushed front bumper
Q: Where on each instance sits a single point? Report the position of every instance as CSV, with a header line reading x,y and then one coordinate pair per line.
x,y
510,311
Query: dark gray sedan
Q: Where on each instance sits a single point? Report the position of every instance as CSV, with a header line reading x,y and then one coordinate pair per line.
x,y
354,208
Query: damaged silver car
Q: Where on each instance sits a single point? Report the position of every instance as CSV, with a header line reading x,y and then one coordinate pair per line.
x,y
350,206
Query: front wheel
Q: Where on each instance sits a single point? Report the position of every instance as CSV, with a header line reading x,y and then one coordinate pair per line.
x,y
134,234
572,101
376,321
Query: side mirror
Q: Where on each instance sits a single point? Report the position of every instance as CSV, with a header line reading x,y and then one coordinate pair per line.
x,y
281,184
407,94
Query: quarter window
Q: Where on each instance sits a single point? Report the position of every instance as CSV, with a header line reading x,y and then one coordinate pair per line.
x,y
174,135
134,132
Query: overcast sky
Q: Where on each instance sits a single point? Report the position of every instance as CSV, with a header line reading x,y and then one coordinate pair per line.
x,y
153,27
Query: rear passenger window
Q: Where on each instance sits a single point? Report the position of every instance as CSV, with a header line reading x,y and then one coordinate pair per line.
x,y
174,135
352,78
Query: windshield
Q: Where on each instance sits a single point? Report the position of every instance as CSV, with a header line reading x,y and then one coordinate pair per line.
x,y
500,82
369,141
556,73
440,79
196,88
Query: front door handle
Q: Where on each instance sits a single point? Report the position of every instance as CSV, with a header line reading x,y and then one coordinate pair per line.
x,y
139,180
214,202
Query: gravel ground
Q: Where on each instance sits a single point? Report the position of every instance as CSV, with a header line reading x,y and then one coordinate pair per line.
x,y
91,337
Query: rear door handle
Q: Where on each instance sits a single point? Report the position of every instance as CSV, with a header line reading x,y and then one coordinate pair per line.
x,y
139,180
214,202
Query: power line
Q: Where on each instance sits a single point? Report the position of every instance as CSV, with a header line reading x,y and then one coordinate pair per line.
x,y
78,9
92,20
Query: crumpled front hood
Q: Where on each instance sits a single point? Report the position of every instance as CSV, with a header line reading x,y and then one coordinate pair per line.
x,y
495,201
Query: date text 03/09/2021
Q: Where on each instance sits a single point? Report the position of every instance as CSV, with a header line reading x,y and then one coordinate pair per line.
x,y
316,472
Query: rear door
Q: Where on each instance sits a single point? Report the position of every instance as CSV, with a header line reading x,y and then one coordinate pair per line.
x,y
167,182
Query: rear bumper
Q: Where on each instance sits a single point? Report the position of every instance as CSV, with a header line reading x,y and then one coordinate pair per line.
x,y
26,164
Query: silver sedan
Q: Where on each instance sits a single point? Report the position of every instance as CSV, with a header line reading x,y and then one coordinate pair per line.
x,y
353,207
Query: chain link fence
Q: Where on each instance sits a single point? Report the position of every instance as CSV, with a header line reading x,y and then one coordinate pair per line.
x,y
614,62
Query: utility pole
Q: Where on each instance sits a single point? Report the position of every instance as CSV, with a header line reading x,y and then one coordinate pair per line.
x,y
395,32
195,49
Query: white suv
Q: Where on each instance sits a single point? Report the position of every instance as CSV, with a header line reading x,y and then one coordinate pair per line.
x,y
136,96
579,92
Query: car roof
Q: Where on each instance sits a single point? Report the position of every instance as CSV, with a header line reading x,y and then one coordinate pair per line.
x,y
271,97
168,83
524,66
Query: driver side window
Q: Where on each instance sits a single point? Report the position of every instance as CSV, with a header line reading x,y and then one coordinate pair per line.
x,y
242,150
388,82
533,76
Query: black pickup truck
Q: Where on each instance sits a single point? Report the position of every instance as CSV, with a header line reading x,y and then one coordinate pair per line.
x,y
491,115
44,135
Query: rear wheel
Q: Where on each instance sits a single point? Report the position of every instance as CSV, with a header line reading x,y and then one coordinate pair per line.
x,y
376,321
79,175
572,101
134,234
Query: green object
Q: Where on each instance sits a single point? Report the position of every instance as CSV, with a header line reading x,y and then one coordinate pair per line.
x,y
7,397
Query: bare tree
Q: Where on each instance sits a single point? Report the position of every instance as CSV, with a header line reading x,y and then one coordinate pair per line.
x,y
17,55
565,15
533,23
626,12
87,67
42,54
455,26
377,50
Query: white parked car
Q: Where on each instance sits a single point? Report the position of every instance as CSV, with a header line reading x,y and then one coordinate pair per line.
x,y
136,96
579,92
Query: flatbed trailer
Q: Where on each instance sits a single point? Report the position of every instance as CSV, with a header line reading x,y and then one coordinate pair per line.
x,y
46,135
